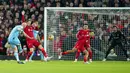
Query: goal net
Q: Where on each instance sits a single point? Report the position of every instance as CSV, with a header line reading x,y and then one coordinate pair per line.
x,y
62,24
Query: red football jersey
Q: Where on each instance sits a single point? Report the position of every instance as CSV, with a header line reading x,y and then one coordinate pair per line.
x,y
29,31
83,34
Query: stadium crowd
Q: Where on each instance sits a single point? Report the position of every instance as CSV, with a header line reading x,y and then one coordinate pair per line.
x,y
11,12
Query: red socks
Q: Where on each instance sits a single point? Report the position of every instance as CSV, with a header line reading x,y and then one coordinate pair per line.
x,y
85,59
43,51
77,54
64,53
29,54
90,54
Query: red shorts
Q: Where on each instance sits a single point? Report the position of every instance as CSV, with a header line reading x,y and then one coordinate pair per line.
x,y
32,43
87,44
80,45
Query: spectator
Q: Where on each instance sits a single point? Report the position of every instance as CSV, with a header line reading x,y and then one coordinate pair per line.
x,y
76,3
66,4
48,4
57,45
127,3
119,25
71,4
58,4
80,5
1,43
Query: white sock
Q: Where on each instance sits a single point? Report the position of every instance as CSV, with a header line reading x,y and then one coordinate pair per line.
x,y
16,56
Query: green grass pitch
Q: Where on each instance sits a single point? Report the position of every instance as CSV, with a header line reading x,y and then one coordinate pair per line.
x,y
65,67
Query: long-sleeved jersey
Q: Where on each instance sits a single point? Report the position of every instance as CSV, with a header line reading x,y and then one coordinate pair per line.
x,y
117,37
83,34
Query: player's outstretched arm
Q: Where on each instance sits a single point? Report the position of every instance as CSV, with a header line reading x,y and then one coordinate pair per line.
x,y
110,38
23,17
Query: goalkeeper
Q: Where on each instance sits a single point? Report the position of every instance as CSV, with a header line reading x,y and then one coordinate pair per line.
x,y
115,39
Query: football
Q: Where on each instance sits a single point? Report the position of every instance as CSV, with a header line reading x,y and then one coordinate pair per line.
x,y
91,34
51,37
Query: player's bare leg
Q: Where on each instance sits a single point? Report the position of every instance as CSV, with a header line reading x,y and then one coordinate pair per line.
x,y
44,53
29,54
67,52
90,54
86,56
17,56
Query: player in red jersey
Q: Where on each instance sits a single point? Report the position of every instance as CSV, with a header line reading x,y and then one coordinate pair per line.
x,y
33,42
87,45
79,46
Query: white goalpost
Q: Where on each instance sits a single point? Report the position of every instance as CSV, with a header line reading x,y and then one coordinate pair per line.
x,y
64,22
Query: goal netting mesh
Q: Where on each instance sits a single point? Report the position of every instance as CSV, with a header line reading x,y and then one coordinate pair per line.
x,y
64,23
